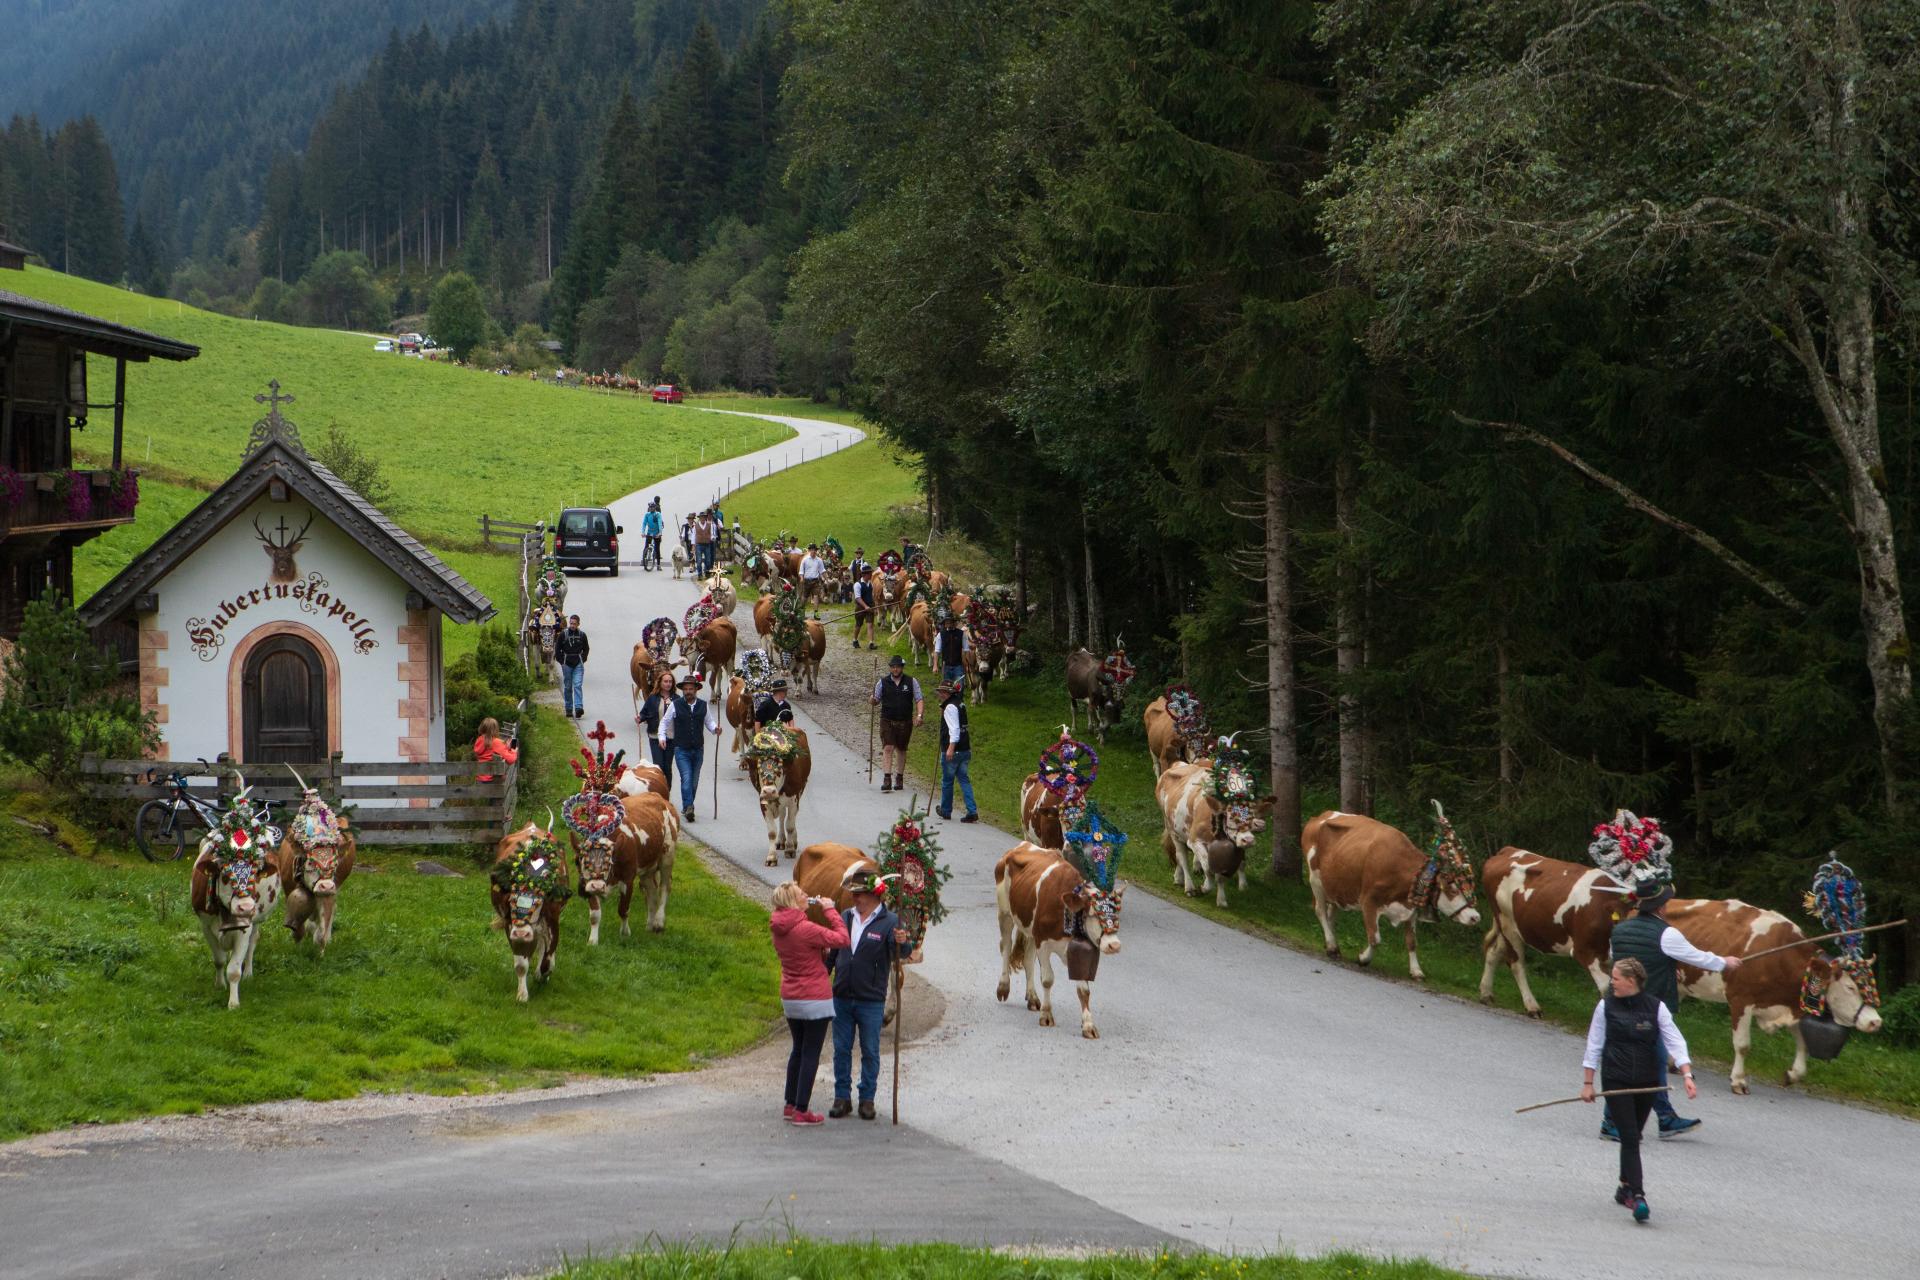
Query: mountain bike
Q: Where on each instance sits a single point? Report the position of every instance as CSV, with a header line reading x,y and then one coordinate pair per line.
x,y
161,827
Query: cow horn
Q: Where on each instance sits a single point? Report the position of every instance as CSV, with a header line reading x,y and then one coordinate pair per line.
x,y
1228,740
1438,811
297,778
549,819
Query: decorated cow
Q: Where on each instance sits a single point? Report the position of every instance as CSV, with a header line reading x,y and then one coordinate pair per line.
x,y
652,655
1059,904
1211,812
1355,863
544,623
721,592
315,859
550,585
1054,794
709,646
236,883
530,889
1177,731
1100,685
778,764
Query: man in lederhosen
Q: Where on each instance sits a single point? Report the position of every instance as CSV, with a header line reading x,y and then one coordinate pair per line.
x,y
902,707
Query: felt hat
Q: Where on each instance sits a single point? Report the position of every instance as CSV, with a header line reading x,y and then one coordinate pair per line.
x,y
1651,894
896,661
691,680
948,688
776,684
860,882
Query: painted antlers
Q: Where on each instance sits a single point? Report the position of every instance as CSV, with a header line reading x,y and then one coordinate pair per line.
x,y
281,553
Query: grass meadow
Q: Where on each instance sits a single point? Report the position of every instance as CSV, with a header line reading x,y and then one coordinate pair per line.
x,y
109,1008
807,1259
1023,715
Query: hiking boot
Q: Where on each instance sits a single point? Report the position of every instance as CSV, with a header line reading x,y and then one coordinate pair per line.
x,y
1640,1211
687,814
1678,1125
886,783
946,815
1607,1132
1623,1196
972,817
866,1108
899,782
841,1108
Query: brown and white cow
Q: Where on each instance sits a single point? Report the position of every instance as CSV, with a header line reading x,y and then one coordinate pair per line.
x,y
642,780
1166,745
805,663
739,716
640,849
233,896
763,616
890,596
920,634
823,871
1356,863
1198,830
530,921
313,878
1087,683
720,588
1569,909
781,784
1040,812
1041,900
709,651
983,663
643,669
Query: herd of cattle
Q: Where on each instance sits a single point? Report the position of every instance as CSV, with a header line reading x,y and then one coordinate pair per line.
x,y
1045,905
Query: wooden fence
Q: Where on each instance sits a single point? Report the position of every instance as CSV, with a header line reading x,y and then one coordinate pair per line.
x,y
390,802
508,532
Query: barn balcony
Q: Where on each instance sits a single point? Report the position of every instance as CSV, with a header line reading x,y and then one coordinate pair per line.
x,y
65,506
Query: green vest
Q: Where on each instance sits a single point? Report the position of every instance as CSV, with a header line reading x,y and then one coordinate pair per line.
x,y
1638,938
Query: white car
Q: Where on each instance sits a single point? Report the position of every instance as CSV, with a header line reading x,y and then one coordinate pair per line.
x,y
383,345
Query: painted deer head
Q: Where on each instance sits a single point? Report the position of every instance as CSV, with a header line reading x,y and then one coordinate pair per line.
x,y
282,552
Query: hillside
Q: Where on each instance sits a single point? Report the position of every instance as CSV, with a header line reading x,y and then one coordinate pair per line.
x,y
453,442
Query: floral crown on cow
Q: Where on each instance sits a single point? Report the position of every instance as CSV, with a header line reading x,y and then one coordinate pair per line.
x,y
1635,853
912,874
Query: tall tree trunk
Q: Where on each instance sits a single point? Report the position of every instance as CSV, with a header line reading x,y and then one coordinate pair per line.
x,y
1020,580
1070,595
1096,620
1503,713
1349,645
1283,742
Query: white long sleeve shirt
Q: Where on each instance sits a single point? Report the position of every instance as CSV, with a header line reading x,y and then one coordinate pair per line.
x,y
1674,945
811,567
1670,1037
666,722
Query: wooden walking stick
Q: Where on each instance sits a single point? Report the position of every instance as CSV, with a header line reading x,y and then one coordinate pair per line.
x,y
1605,1093
899,1020
1825,937
873,710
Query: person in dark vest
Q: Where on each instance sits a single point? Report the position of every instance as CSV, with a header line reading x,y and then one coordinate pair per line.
x,y
951,643
866,613
1647,937
861,971
902,707
570,651
773,705
1629,1040
680,725
956,750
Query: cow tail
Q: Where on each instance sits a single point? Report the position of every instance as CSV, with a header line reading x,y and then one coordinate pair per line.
x,y
1019,958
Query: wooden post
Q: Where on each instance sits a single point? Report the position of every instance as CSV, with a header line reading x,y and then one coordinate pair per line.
x,y
899,1020
119,406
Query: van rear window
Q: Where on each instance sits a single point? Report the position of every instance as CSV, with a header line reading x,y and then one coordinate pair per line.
x,y
592,524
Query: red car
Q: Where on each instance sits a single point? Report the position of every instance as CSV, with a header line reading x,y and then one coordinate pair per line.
x,y
667,393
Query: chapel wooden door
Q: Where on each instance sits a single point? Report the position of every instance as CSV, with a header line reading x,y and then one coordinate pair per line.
x,y
283,704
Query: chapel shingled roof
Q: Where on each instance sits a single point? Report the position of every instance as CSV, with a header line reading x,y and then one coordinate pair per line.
x,y
275,451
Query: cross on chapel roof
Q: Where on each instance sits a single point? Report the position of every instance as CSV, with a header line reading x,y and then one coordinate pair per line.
x,y
273,426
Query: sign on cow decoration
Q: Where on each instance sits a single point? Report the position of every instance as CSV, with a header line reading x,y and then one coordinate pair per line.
x,y
314,596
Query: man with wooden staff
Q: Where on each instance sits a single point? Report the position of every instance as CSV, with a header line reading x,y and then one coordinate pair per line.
x,y
680,727
1636,853
861,973
902,707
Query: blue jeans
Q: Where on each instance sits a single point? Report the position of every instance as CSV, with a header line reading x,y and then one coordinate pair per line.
x,y
572,682
950,769
953,675
689,763
703,557
867,1015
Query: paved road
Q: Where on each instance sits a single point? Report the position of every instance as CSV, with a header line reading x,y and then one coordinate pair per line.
x,y
1242,1096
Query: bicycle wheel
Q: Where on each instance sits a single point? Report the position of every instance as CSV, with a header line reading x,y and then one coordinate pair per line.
x,y
159,832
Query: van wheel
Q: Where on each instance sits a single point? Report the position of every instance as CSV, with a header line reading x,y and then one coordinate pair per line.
x,y
613,571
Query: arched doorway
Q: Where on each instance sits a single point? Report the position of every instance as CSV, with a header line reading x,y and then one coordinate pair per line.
x,y
283,702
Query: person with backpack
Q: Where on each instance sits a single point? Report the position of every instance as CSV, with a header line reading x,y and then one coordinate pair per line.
x,y
652,525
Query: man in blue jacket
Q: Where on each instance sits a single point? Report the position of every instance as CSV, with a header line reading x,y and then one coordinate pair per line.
x,y
861,973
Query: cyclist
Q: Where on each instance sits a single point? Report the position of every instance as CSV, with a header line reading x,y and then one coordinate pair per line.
x,y
651,526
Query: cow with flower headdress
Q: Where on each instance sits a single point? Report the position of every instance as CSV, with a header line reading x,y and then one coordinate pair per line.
x,y
315,858
1355,863
778,765
1177,730
1211,812
993,633
595,816
236,883
708,642
890,584
1060,904
1054,794
530,888
1101,684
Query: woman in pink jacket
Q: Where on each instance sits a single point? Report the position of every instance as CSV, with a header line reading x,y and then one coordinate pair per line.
x,y
806,989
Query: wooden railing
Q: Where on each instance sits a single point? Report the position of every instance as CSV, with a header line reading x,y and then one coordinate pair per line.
x,y
41,506
386,803
508,532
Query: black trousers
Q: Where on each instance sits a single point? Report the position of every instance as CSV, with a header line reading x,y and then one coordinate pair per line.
x,y
1629,1116
662,759
803,1063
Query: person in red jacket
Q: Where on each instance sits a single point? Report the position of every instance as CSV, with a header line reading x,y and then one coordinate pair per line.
x,y
806,988
488,746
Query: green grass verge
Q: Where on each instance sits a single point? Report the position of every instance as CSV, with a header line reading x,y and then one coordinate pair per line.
x,y
109,1010
452,442
853,490
805,1259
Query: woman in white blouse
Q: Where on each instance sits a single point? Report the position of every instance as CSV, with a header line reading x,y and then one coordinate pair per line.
x,y
1630,1036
